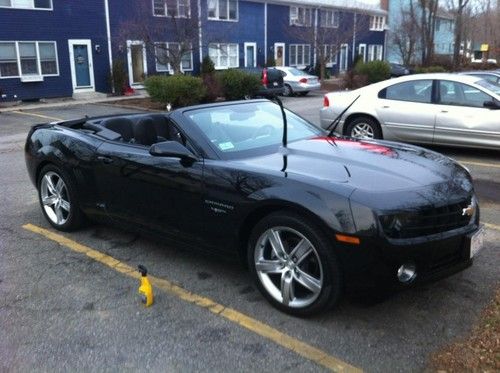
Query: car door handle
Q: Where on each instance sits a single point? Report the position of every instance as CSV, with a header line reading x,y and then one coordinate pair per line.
x,y
444,111
106,160
385,107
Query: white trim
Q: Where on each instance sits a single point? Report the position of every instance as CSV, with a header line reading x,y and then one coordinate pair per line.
x,y
169,67
254,45
88,43
200,33
130,43
108,36
166,15
303,63
217,46
265,33
276,45
37,49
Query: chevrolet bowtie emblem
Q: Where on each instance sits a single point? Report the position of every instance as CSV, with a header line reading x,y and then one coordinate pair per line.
x,y
469,211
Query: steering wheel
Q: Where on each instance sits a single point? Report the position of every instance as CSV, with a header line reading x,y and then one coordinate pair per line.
x,y
265,130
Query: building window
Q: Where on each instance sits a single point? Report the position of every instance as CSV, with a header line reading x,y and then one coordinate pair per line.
x,y
164,50
300,54
375,52
300,16
377,23
28,58
27,4
224,55
171,8
8,60
224,10
330,54
329,18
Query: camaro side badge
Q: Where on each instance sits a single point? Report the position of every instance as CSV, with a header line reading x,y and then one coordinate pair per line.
x,y
469,211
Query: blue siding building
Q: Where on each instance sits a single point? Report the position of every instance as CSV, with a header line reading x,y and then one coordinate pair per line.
x,y
55,48
52,48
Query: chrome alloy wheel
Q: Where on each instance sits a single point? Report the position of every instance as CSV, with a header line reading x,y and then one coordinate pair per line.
x,y
54,197
362,131
288,266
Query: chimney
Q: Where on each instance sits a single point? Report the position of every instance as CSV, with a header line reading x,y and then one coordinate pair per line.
x,y
384,4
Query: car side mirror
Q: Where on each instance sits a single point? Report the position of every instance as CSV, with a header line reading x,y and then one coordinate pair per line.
x,y
172,149
491,105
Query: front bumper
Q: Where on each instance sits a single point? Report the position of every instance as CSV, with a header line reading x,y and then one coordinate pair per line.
x,y
374,263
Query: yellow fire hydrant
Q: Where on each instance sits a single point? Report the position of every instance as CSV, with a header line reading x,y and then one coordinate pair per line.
x,y
145,290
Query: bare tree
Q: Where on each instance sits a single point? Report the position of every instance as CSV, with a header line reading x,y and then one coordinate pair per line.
x,y
327,39
458,7
169,38
406,35
428,9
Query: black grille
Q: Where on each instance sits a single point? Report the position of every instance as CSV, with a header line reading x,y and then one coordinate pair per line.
x,y
426,221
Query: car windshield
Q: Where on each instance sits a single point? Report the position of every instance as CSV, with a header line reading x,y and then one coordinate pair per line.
x,y
495,88
250,128
296,72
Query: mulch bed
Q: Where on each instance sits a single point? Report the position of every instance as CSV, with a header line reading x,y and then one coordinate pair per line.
x,y
479,352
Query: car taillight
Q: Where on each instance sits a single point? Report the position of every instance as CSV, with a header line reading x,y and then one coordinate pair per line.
x,y
265,80
326,101
303,80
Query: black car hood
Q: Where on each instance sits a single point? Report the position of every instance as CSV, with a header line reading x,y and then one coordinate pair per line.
x,y
369,167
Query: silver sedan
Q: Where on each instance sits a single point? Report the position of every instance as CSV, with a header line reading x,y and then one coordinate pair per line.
x,y
298,81
443,109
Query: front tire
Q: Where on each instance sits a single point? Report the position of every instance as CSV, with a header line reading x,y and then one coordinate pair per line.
x,y
364,128
58,199
293,264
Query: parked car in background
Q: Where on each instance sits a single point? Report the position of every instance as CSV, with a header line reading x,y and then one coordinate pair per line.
x,y
490,75
444,109
272,80
298,81
398,70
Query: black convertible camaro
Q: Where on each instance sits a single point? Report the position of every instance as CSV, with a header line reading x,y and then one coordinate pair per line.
x,y
311,214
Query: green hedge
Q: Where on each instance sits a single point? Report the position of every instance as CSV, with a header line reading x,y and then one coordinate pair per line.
x,y
178,90
375,71
238,84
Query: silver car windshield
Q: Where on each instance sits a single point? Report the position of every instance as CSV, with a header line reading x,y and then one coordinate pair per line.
x,y
495,88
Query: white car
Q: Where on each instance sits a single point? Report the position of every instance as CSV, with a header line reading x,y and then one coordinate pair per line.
x,y
443,109
298,81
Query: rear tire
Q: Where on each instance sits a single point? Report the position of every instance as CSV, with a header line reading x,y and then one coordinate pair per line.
x,y
293,264
287,90
364,128
58,199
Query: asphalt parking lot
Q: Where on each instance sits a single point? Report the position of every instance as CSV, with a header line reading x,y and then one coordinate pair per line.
x,y
68,302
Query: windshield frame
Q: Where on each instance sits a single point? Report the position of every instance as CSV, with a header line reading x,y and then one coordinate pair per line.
x,y
254,152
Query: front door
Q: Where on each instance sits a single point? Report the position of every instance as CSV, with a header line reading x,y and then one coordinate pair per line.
x,y
157,194
344,52
250,54
279,54
82,73
137,67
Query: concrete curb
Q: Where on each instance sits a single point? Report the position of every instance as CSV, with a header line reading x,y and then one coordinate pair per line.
x,y
71,103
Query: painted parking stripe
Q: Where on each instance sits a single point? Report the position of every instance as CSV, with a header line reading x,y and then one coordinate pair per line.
x,y
301,348
482,164
36,115
492,226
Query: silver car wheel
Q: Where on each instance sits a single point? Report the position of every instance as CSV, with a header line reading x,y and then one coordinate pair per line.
x,y
54,198
362,131
287,90
289,267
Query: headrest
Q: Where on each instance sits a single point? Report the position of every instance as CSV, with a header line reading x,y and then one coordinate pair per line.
x,y
123,126
144,132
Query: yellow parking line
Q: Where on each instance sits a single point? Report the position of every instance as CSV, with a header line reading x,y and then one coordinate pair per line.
x,y
492,226
303,349
36,115
482,164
